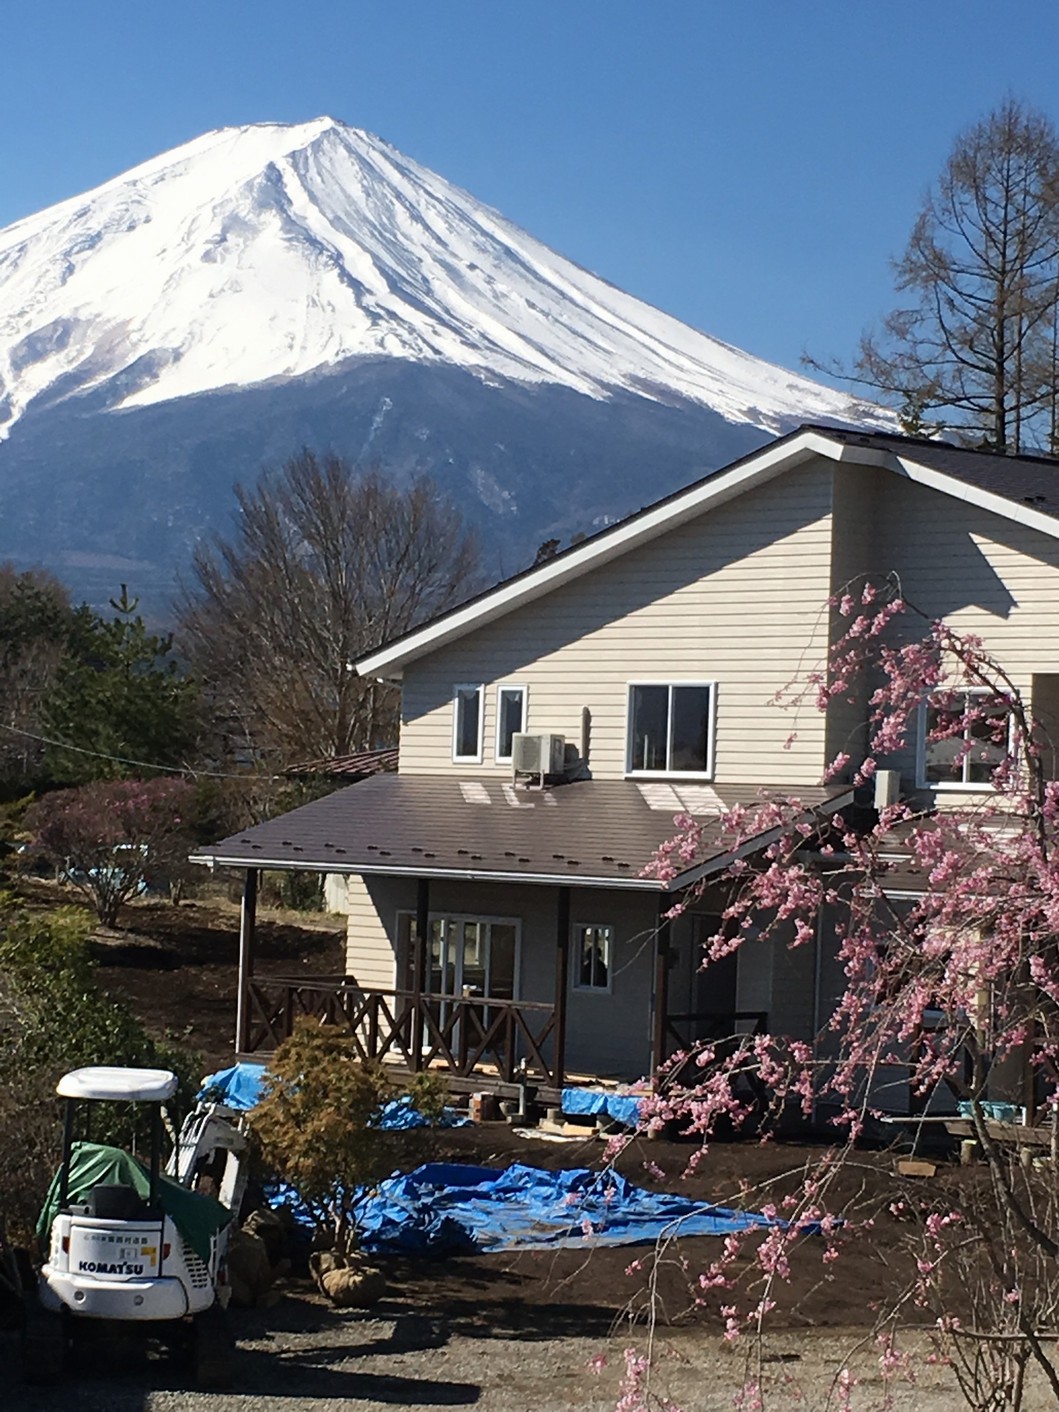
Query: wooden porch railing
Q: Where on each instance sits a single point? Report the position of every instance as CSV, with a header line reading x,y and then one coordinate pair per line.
x,y
458,1033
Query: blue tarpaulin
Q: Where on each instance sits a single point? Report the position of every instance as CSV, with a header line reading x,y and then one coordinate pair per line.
x,y
446,1208
239,1087
401,1114
242,1085
619,1107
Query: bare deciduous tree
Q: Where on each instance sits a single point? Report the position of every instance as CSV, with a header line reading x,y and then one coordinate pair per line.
x,y
974,343
325,564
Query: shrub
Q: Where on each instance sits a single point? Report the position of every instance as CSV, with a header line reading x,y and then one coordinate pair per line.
x,y
296,890
54,1017
112,837
317,1123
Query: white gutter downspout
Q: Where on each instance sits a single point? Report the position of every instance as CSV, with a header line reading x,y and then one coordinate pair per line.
x,y
818,966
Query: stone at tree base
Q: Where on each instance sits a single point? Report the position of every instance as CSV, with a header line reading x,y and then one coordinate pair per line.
x,y
270,1227
348,1281
321,1263
250,1272
354,1288
916,1167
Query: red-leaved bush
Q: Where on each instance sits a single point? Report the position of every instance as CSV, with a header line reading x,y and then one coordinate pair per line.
x,y
112,838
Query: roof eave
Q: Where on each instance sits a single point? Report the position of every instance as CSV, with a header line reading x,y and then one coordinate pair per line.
x,y
710,867
389,661
637,883
974,495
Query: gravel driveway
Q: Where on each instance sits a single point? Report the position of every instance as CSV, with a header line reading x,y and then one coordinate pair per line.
x,y
303,1356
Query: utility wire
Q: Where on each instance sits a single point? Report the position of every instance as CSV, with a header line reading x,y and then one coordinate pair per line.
x,y
142,764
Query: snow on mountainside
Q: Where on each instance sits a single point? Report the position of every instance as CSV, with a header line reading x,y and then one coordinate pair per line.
x,y
274,252
266,288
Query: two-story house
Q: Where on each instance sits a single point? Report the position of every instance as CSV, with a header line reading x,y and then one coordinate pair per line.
x,y
493,920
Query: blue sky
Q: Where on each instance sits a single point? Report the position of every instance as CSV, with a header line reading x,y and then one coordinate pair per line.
x,y
749,167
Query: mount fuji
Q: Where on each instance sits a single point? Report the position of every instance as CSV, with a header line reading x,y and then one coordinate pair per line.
x,y
273,286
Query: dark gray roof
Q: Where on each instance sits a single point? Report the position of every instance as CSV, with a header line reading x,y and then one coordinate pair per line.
x,y
1026,480
601,832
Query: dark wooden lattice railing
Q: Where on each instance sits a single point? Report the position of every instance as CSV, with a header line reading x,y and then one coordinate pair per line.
x,y
460,1034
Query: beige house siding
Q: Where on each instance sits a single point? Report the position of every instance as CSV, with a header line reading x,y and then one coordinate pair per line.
x,y
336,895
854,551
607,1033
370,938
737,597
983,574
1044,705
791,1011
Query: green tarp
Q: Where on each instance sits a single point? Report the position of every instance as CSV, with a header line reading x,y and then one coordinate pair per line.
x,y
198,1218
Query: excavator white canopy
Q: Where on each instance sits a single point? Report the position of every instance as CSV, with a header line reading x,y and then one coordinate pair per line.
x,y
114,1085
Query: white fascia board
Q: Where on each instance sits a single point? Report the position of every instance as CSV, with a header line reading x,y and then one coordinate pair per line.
x,y
635,883
648,525
972,495
717,864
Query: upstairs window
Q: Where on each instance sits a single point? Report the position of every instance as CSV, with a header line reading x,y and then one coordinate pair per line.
x,y
510,718
593,951
968,751
467,723
671,728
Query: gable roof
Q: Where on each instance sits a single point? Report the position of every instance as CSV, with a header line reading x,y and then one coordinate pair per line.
x,y
1020,488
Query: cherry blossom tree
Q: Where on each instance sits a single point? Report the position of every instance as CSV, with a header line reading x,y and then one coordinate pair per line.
x,y
950,981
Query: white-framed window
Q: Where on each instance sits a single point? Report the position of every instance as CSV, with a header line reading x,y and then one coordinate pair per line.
x,y
670,728
593,958
511,701
467,723
967,758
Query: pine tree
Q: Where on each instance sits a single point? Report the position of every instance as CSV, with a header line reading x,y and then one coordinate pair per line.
x,y
120,699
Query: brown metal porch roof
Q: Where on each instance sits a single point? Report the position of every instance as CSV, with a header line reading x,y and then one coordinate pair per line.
x,y
590,833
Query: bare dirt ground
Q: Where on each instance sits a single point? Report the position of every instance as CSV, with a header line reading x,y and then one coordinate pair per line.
x,y
177,965
516,1330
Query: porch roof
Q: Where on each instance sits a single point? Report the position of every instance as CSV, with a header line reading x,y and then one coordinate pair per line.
x,y
589,833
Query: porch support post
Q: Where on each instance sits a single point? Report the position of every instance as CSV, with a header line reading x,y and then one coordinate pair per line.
x,y
562,976
663,933
419,969
247,926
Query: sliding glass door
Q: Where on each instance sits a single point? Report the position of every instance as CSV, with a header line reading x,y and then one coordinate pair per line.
x,y
466,956
473,956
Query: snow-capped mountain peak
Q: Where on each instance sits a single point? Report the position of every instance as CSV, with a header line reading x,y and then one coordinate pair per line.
x,y
273,251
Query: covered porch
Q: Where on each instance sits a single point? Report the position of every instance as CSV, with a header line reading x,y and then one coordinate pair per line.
x,y
501,937
494,1042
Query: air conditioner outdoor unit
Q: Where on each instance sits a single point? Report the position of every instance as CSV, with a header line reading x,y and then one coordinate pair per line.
x,y
887,788
537,754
